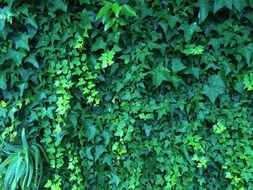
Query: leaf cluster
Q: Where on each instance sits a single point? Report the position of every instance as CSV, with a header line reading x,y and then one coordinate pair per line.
x,y
127,94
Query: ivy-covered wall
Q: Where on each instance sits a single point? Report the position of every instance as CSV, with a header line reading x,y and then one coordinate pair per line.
x,y
126,94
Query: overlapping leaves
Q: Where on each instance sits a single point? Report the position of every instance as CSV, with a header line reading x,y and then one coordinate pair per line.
x,y
126,94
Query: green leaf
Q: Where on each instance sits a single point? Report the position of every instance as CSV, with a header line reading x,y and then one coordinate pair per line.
x,y
91,132
160,74
246,51
177,65
22,42
159,180
103,11
195,71
3,84
2,24
239,5
219,4
204,9
48,112
88,153
32,59
173,20
193,49
32,22
16,56
109,24
22,87
147,130
99,44
214,88
5,15
164,25
84,2
189,30
10,173
59,5
19,170
100,149
116,9
106,136
24,141
114,180
127,10
119,132
6,162
73,116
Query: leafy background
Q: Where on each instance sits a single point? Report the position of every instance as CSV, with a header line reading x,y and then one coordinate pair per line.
x,y
126,94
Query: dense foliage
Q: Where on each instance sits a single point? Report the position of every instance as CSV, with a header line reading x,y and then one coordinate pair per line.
x,y
127,94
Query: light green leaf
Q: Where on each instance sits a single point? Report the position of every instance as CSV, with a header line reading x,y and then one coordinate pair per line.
x,y
127,10
193,49
119,132
103,11
109,24
116,9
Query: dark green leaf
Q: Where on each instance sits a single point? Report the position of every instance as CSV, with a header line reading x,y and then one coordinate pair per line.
x,y
99,44
189,30
100,149
22,42
32,59
160,74
16,56
177,65
91,132
214,88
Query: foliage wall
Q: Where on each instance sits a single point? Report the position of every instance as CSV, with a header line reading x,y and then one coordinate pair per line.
x,y
127,94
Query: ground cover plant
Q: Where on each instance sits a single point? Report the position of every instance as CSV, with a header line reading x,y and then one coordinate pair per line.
x,y
126,94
